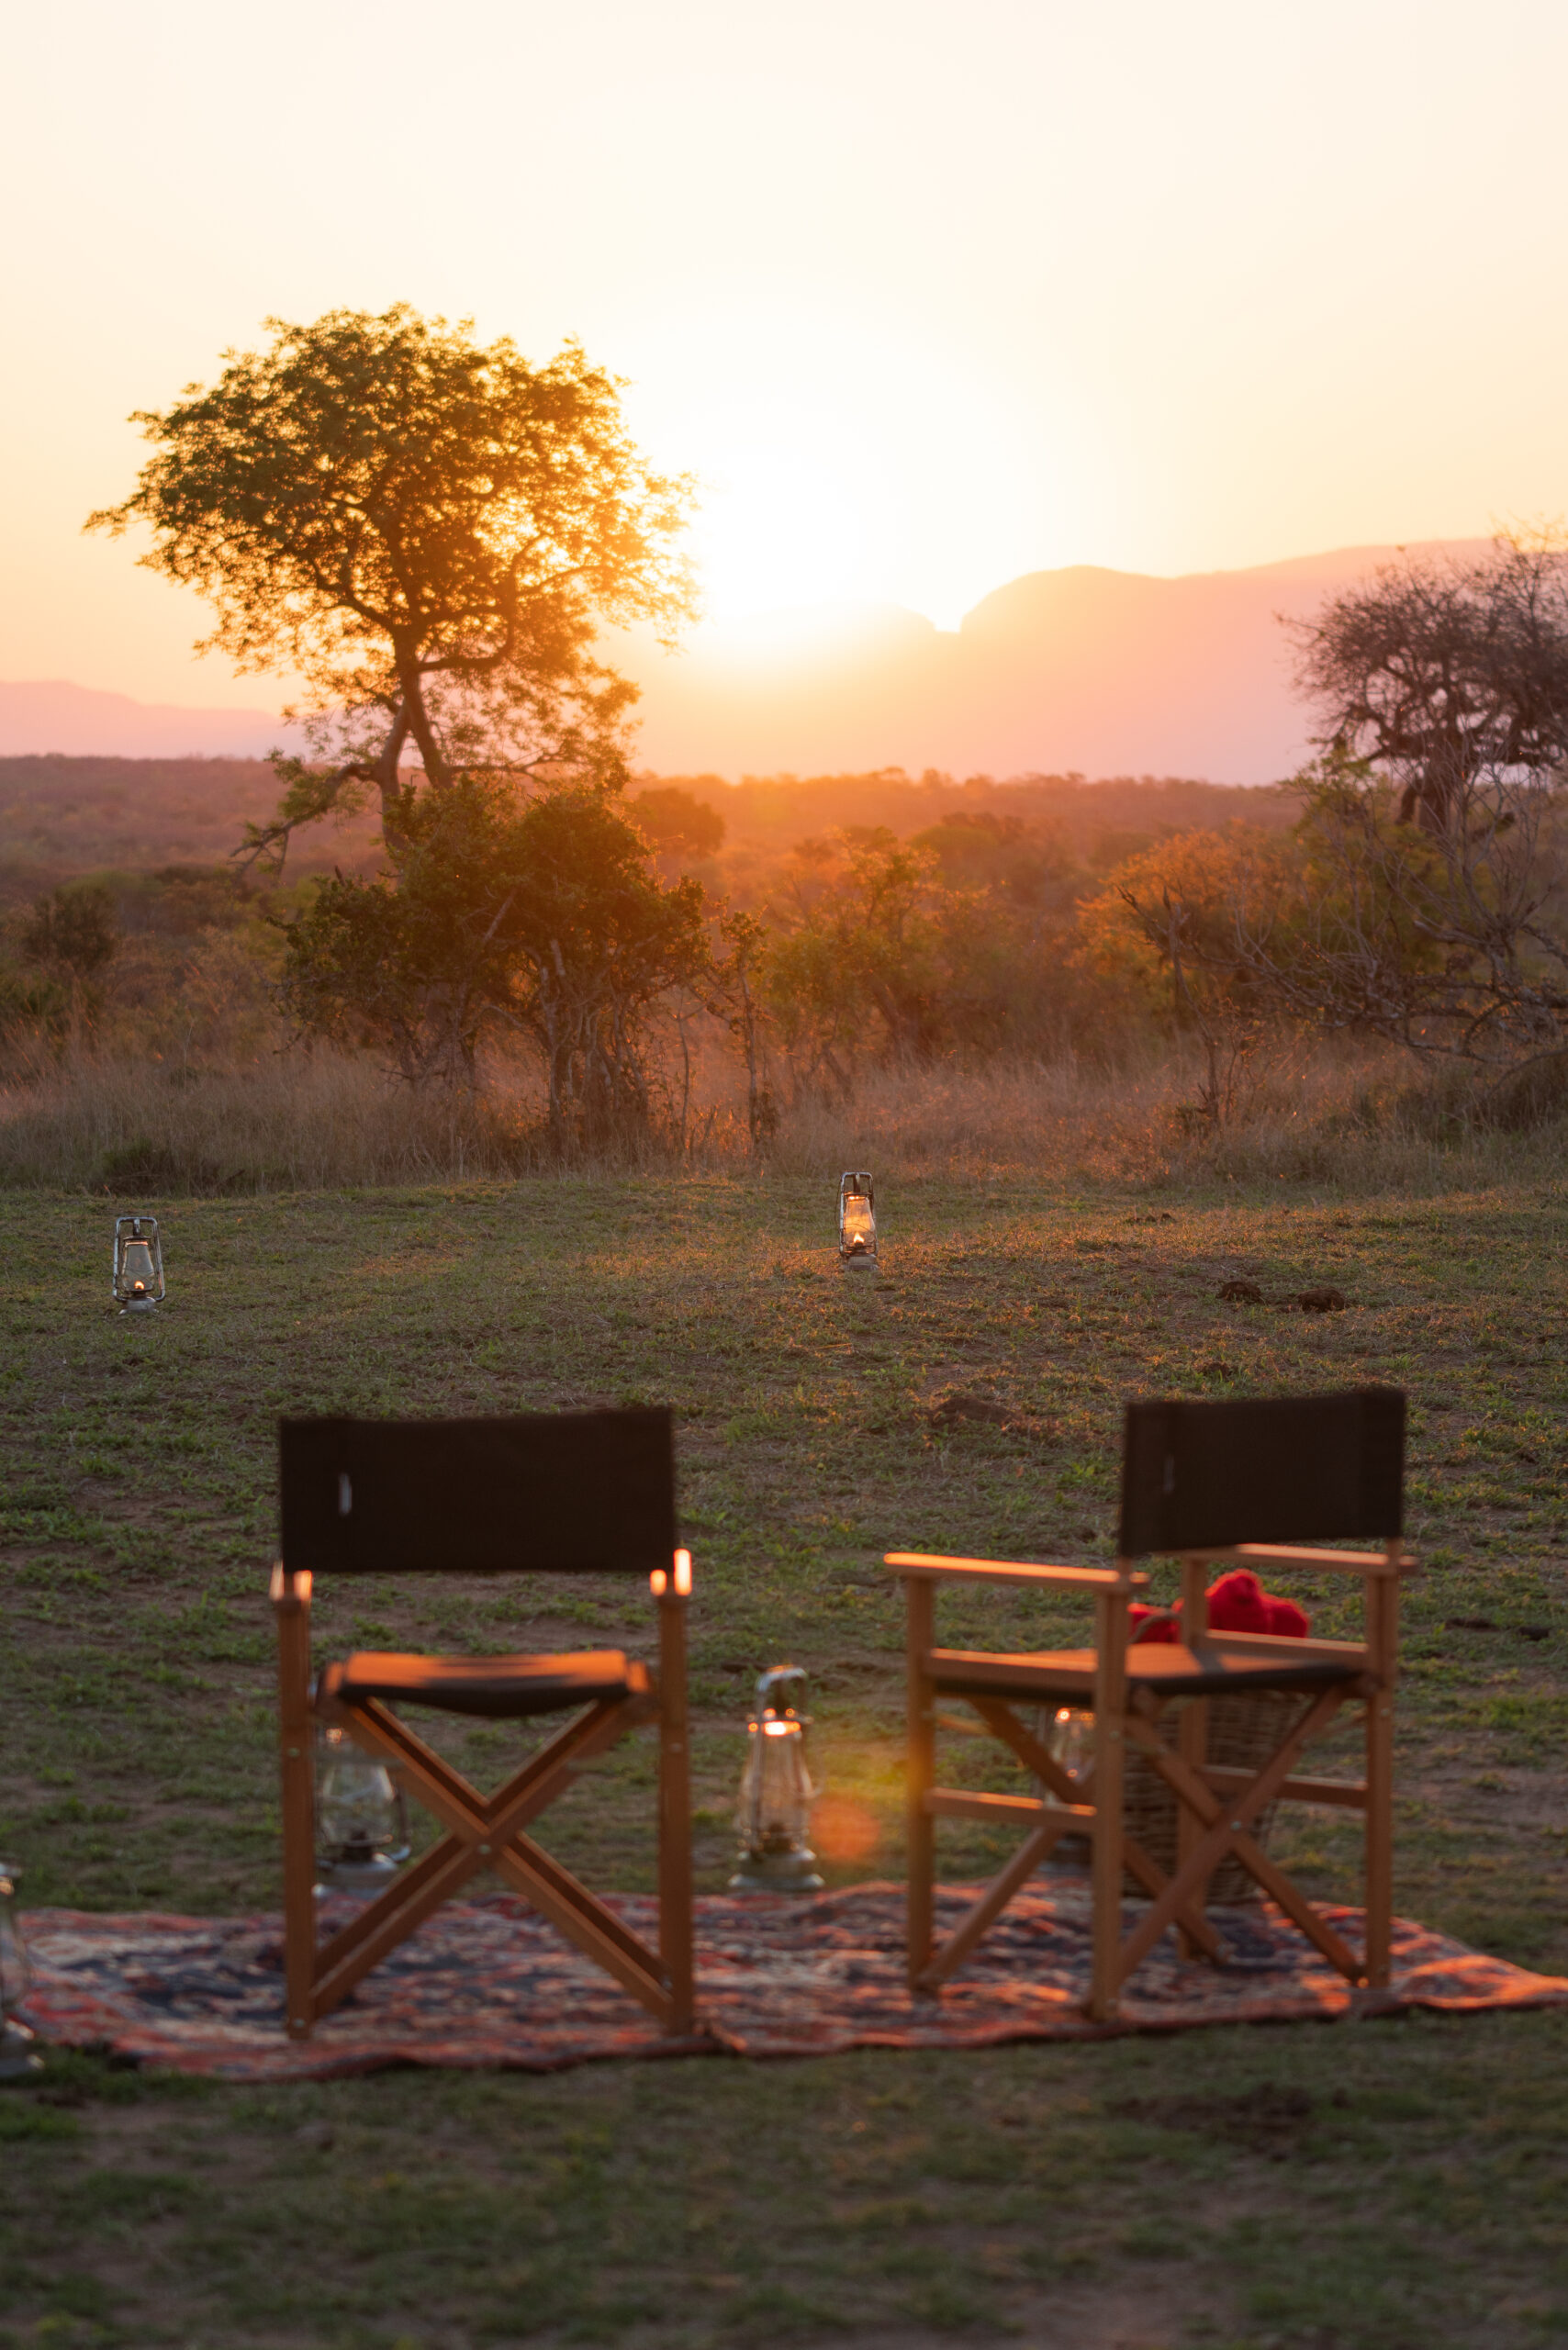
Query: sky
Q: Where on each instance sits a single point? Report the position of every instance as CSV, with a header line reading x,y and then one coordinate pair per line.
x,y
928,295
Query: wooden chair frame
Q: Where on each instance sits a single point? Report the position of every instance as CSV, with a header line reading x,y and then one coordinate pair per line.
x,y
485,1832
1215,1807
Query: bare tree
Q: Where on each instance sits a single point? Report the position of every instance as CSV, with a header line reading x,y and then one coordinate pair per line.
x,y
1450,936
1428,898
1441,674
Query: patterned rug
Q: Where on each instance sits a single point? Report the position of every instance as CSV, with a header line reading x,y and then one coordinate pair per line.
x,y
488,1983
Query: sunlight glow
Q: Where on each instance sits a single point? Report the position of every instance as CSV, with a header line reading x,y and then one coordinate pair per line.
x,y
930,297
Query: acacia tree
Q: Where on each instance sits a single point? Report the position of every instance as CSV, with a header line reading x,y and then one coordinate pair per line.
x,y
859,968
1170,923
1450,941
1440,676
1424,896
877,957
1447,938
537,916
1434,877
598,941
428,533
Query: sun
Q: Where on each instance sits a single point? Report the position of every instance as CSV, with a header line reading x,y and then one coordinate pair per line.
x,y
780,526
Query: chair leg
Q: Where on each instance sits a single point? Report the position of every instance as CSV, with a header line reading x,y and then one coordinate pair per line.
x,y
675,1814
291,1606
920,1834
1382,1611
1192,1731
486,1830
1110,1760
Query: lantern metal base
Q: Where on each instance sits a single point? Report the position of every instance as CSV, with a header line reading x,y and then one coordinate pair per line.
x,y
19,2059
140,1305
793,1872
368,1877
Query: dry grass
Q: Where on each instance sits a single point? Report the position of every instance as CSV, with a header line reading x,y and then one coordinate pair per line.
x,y
1357,1121
293,1120
297,1121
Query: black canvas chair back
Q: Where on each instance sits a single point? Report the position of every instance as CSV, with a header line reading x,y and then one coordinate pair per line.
x,y
577,1493
1281,1469
588,1492
1247,1485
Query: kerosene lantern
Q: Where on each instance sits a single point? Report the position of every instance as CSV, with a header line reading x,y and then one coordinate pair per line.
x,y
19,2059
138,1263
1070,1742
361,1820
857,1216
774,1813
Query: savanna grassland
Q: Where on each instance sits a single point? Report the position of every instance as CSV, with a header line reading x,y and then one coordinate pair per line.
x,y
1376,2184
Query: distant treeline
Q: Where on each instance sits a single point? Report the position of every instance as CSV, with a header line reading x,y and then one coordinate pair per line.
x,y
776,810
62,817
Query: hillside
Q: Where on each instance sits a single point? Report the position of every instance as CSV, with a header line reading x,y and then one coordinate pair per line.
x,y
52,715
1082,669
1102,672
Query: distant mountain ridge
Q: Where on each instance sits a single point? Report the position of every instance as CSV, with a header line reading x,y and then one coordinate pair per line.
x,y
1080,669
81,721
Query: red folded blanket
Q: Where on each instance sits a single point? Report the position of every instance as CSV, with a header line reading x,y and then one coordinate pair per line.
x,y
1237,1603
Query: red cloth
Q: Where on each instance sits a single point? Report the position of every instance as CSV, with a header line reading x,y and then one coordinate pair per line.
x,y
1237,1603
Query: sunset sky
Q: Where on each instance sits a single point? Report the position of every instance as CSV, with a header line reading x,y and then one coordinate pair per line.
x,y
929,295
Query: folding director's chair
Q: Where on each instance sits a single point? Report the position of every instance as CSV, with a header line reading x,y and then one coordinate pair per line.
x,y
1217,1484
583,1492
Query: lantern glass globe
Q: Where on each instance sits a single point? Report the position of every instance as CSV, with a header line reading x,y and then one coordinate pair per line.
x,y
856,1216
362,1821
19,2059
772,1814
137,1264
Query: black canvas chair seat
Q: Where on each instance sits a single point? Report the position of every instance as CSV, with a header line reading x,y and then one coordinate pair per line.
x,y
1162,1670
500,1688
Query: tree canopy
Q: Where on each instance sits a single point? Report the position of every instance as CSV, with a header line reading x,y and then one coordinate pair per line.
x,y
536,916
429,532
1440,674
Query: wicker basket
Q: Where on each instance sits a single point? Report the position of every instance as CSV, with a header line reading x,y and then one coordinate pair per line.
x,y
1244,1730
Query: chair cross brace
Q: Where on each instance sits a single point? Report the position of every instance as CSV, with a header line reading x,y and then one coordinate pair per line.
x,y
482,1831
1224,1830
1059,1817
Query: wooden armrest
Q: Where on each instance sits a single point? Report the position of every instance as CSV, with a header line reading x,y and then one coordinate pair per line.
x,y
1290,1554
920,1563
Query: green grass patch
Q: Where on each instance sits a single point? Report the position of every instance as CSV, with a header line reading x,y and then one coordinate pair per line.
x,y
1369,2185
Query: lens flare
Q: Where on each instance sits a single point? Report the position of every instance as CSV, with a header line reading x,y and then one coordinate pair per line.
x,y
844,1830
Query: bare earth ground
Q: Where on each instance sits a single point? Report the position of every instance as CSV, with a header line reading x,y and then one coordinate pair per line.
x,y
1385,2184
